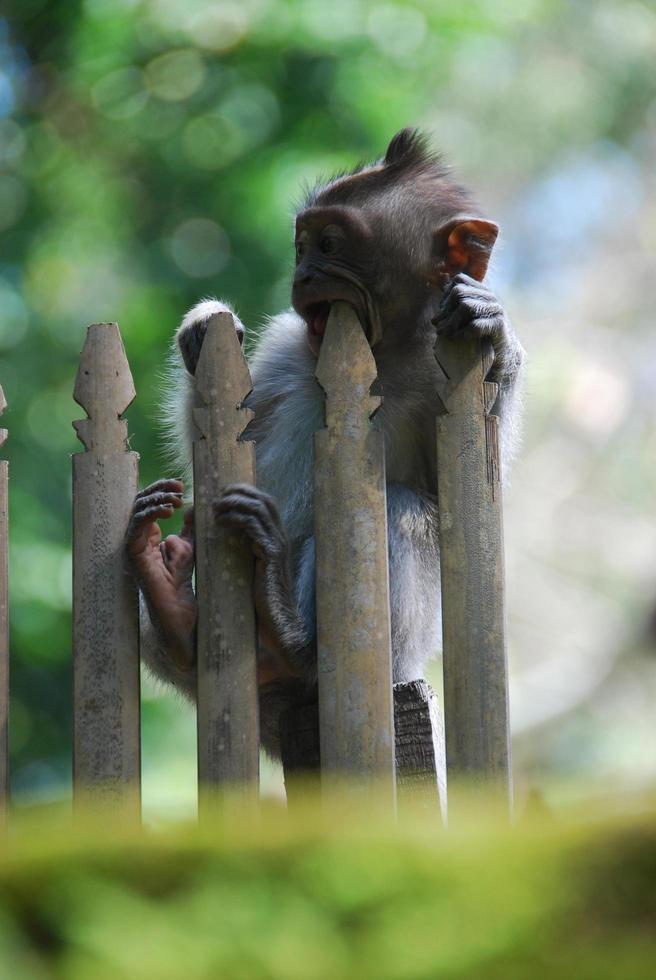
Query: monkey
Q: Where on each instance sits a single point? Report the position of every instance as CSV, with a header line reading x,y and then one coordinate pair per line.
x,y
405,244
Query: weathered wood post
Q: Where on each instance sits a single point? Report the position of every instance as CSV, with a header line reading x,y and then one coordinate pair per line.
x,y
106,749
353,616
228,712
419,741
472,569
4,625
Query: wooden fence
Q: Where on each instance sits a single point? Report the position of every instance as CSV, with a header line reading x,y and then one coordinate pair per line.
x,y
384,735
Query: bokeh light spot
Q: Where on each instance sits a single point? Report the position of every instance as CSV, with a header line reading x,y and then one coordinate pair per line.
x,y
12,141
120,94
13,197
13,322
598,399
397,30
176,75
199,247
210,142
219,26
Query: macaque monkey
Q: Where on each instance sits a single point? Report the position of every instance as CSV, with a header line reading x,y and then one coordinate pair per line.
x,y
408,249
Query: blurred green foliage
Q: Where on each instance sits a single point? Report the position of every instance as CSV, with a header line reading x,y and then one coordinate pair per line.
x,y
151,151
332,898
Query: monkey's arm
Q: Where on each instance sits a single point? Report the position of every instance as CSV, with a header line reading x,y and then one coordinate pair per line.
x,y
471,308
163,570
155,654
167,629
283,632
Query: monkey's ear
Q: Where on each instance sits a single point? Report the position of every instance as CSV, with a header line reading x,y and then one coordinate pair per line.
x,y
465,245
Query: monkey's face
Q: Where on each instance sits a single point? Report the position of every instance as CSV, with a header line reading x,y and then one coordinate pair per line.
x,y
333,262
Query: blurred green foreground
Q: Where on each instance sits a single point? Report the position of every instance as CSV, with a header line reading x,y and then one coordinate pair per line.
x,y
331,897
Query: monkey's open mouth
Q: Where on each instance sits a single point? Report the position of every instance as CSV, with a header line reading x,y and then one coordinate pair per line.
x,y
316,317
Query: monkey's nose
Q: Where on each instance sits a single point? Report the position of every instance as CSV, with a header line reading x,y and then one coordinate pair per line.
x,y
304,280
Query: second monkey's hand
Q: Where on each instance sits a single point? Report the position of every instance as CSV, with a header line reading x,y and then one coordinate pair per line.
x,y
163,568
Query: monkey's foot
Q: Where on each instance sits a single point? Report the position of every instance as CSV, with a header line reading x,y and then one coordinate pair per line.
x,y
470,309
193,328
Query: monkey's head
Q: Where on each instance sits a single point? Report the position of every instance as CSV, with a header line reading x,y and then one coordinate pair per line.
x,y
386,238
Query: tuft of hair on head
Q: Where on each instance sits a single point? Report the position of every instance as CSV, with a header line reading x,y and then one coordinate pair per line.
x,y
409,148
408,152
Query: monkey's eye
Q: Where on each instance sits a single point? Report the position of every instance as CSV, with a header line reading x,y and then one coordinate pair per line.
x,y
301,249
328,245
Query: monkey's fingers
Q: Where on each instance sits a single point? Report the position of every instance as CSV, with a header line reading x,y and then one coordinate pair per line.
x,y
142,520
462,279
266,541
147,511
157,499
260,508
168,485
474,303
468,322
253,493
178,556
475,315
187,532
465,292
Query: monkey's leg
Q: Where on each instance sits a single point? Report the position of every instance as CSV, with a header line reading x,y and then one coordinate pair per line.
x,y
193,328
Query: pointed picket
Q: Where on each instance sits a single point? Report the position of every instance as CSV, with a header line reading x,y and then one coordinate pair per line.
x,y
472,569
228,712
353,613
4,625
106,749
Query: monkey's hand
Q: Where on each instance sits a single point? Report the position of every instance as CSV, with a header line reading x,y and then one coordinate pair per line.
x,y
470,309
163,568
193,328
283,635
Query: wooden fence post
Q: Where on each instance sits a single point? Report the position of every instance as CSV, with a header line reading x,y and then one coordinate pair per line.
x,y
418,740
472,570
353,615
228,711
4,625
106,749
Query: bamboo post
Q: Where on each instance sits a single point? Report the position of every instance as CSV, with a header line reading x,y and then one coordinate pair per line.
x,y
228,711
472,570
4,625
353,614
106,750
